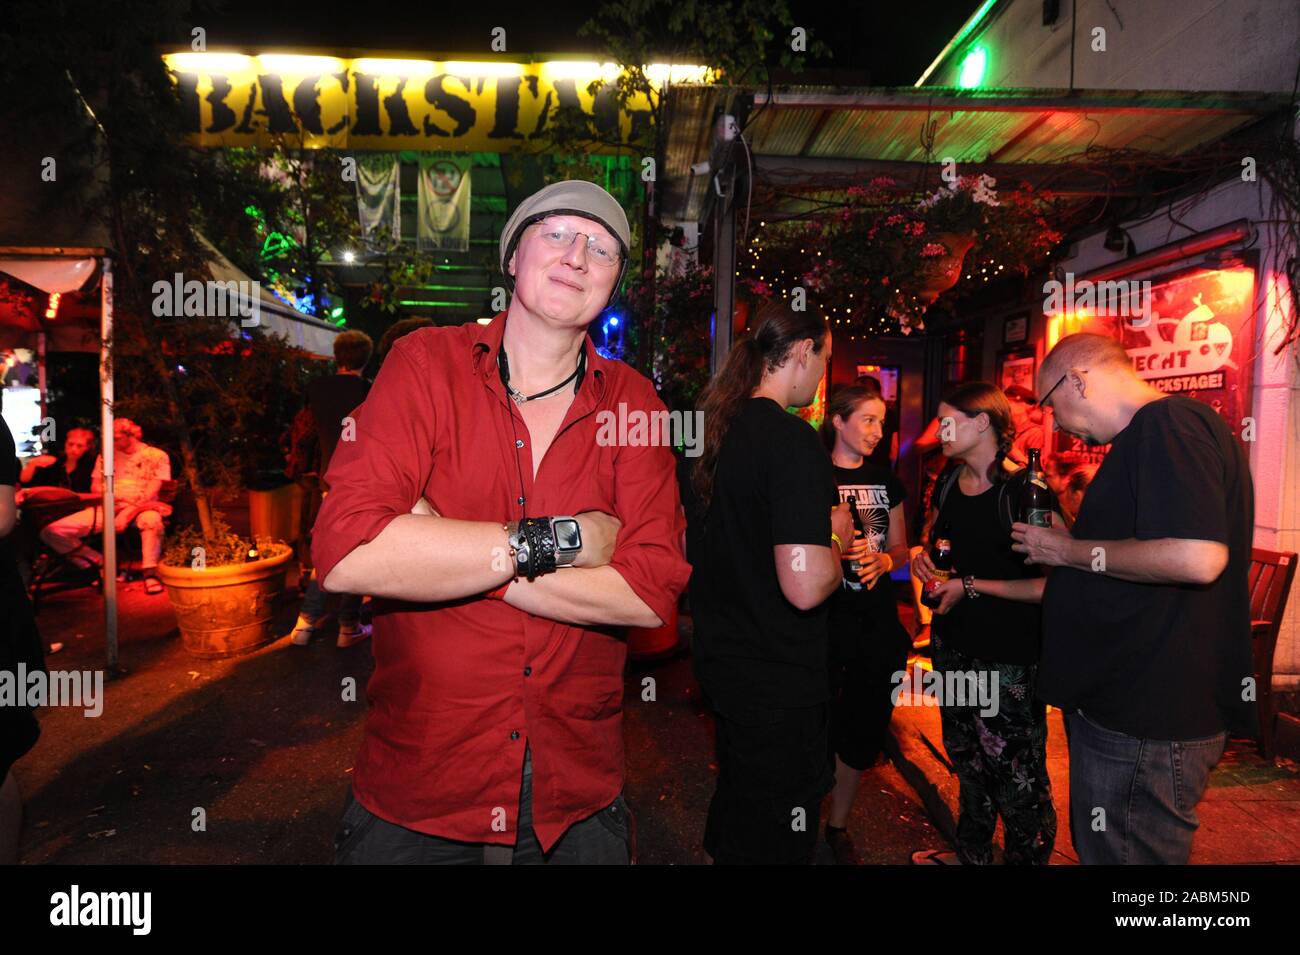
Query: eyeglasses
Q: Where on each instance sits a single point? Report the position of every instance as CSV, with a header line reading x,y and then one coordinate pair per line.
x,y
1043,400
604,251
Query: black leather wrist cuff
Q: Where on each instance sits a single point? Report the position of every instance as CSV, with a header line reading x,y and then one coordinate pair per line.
x,y
541,545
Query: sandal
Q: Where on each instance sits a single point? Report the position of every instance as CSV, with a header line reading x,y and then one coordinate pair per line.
x,y
303,630
935,857
152,585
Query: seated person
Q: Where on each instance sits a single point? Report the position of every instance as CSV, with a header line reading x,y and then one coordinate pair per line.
x,y
72,469
139,471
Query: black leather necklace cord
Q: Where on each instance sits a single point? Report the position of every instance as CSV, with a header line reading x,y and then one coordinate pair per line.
x,y
520,398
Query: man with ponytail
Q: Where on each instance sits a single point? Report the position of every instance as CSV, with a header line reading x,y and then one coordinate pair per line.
x,y
766,562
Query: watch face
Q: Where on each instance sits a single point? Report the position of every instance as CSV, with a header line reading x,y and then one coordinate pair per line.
x,y
567,535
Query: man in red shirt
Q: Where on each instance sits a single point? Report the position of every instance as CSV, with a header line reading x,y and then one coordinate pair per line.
x,y
505,541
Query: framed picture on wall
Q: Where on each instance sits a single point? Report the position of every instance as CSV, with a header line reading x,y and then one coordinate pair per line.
x,y
1015,330
1017,366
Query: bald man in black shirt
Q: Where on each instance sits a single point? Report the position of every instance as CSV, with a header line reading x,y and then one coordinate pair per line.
x,y
1146,618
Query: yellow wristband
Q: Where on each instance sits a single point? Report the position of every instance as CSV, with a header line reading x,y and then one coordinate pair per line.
x,y
836,538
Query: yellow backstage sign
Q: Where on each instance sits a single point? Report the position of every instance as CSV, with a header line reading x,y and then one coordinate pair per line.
x,y
368,103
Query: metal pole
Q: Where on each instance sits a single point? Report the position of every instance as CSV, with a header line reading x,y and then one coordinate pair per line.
x,y
40,382
724,276
106,442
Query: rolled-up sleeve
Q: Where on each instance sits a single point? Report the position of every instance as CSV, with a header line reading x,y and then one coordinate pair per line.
x,y
648,553
380,472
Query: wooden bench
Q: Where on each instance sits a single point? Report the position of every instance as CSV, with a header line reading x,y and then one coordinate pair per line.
x,y
1271,576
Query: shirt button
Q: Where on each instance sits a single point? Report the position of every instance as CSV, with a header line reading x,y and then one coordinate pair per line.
x,y
528,671
519,442
514,734
520,500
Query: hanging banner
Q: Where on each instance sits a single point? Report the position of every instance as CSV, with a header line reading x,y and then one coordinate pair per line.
x,y
444,195
379,194
1193,337
369,103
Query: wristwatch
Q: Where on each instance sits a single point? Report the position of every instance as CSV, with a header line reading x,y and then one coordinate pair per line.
x,y
968,584
568,540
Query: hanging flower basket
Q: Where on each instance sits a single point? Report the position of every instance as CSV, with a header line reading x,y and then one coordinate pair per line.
x,y
936,274
896,253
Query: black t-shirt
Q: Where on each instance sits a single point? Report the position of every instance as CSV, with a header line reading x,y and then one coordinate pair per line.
x,y
331,399
773,486
877,491
987,627
1158,661
56,474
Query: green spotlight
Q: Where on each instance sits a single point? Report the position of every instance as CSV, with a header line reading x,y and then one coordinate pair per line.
x,y
972,68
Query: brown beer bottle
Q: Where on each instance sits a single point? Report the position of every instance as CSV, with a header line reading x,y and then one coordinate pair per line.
x,y
851,567
941,557
1035,498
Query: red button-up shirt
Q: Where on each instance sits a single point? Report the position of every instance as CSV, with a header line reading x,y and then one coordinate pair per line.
x,y
459,688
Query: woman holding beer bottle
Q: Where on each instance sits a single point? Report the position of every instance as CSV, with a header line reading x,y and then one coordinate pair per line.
x,y
986,631
868,645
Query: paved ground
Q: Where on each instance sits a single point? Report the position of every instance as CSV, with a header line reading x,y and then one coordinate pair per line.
x,y
1250,813
263,746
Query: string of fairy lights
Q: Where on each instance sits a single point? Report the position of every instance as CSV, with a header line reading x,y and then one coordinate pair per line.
x,y
849,311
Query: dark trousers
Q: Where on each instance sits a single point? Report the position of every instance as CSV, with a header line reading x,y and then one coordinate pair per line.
x,y
773,770
1001,762
604,838
865,657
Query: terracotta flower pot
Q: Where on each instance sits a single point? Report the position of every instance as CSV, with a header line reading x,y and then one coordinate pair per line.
x,y
226,610
941,273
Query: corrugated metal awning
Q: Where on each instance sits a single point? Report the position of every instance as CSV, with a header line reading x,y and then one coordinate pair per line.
x,y
817,129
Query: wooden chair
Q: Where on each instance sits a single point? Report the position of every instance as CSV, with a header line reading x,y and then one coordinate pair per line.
x,y
1271,575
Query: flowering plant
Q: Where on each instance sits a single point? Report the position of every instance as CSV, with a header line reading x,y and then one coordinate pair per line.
x,y
887,255
679,323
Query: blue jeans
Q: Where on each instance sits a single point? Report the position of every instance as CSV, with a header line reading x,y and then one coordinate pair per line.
x,y
1133,801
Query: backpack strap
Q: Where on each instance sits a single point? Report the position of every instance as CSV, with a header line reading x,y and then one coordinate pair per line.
x,y
943,484
1008,493
1008,496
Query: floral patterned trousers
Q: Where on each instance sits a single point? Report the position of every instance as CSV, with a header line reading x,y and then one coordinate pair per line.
x,y
1000,758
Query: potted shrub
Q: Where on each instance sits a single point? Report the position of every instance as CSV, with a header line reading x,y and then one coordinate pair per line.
x,y
223,588
214,392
